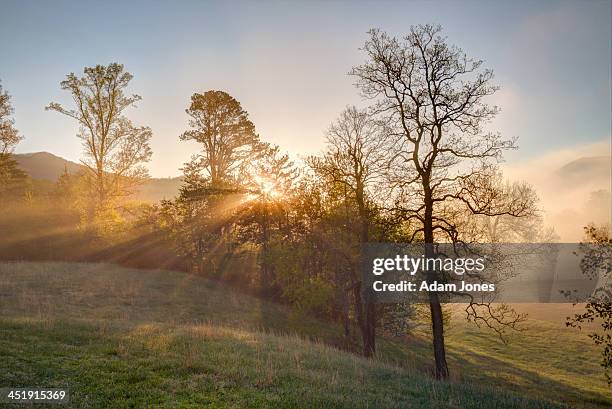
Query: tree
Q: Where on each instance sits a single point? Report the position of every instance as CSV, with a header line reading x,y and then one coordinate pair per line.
x,y
356,158
13,181
313,258
433,97
9,136
226,134
263,216
596,264
115,150
215,178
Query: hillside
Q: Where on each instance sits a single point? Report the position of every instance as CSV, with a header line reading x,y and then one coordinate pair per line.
x,y
582,170
133,338
46,166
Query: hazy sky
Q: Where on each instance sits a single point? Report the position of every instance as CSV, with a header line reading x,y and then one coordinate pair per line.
x,y
286,62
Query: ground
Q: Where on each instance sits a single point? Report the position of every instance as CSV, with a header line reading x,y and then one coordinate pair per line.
x,y
126,338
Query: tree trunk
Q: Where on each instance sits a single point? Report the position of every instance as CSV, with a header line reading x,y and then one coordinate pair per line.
x,y
369,320
266,278
437,323
369,341
346,322
345,297
361,321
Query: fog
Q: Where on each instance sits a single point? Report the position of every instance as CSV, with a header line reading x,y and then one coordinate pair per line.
x,y
573,185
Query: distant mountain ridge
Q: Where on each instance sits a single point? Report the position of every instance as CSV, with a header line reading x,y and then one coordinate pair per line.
x,y
45,165
49,167
582,169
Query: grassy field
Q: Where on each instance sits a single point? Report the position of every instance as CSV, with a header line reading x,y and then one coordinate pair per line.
x,y
124,338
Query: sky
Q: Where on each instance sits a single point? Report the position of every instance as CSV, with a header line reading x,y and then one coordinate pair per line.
x,y
287,63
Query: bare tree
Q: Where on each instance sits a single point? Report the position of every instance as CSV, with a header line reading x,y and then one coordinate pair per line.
x,y
432,95
115,150
356,158
505,228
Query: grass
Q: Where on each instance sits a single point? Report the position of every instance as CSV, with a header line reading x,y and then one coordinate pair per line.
x,y
125,338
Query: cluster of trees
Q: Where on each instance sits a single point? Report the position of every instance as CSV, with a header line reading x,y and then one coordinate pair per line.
x,y
114,149
417,165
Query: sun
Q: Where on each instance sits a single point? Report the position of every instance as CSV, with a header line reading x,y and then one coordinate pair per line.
x,y
267,186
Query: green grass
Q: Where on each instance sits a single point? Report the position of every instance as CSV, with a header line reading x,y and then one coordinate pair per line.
x,y
124,338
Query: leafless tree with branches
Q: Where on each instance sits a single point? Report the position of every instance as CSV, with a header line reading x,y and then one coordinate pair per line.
x,y
357,158
433,97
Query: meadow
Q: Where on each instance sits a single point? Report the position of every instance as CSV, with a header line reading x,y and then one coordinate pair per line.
x,y
129,338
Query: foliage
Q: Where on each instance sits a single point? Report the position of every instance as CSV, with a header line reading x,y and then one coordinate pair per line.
x,y
226,135
115,149
596,264
14,183
310,293
9,136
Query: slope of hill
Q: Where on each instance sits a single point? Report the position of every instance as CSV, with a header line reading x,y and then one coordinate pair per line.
x,y
48,167
582,170
132,338
45,165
